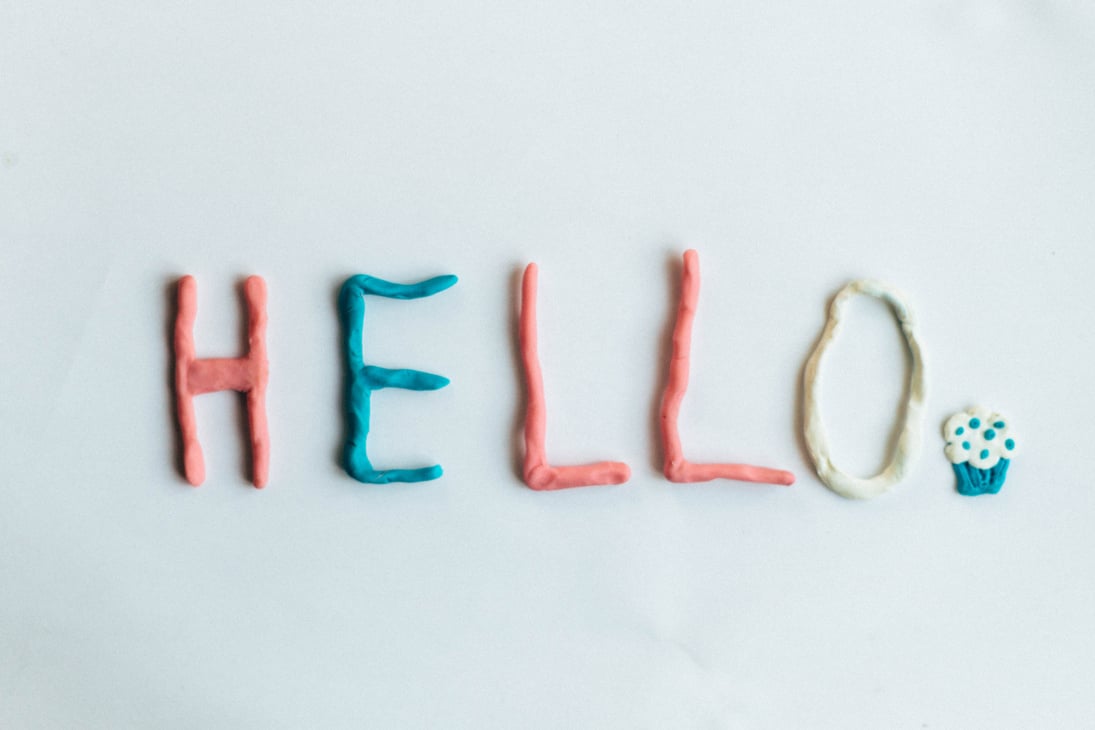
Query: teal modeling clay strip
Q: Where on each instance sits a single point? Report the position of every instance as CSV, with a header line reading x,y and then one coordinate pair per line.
x,y
362,379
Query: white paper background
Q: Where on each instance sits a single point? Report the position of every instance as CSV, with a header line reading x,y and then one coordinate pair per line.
x,y
946,147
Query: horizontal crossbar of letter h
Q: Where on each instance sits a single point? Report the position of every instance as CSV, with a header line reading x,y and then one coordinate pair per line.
x,y
248,374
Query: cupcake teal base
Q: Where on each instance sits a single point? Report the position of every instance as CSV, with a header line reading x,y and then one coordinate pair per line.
x,y
973,481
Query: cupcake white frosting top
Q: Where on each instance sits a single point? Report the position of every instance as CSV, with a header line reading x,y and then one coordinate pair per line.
x,y
978,436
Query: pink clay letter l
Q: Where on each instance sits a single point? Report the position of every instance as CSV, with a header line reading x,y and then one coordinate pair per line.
x,y
677,468
538,473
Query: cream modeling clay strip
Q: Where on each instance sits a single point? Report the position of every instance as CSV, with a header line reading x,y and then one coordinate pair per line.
x,y
362,379
676,467
908,444
539,474
247,374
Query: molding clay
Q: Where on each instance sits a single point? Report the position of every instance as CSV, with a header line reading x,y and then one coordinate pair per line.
x,y
362,379
676,467
908,444
539,475
979,447
248,374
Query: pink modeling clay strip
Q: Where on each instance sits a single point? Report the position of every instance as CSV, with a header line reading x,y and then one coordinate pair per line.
x,y
246,374
539,474
676,467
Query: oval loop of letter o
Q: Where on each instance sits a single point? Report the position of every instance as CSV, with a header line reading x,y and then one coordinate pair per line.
x,y
908,444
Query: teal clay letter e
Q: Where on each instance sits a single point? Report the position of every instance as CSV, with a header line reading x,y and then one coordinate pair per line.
x,y
362,379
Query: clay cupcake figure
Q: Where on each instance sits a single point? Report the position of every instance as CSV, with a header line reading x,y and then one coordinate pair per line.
x,y
980,449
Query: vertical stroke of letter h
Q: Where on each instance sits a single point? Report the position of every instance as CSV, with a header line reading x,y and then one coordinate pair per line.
x,y
247,374
362,379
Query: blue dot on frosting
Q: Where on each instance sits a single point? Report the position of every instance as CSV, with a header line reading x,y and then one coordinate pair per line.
x,y
999,424
1010,443
966,445
960,431
984,453
990,435
975,423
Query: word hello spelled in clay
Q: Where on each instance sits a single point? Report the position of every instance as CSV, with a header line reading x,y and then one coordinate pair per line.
x,y
249,374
